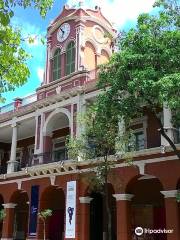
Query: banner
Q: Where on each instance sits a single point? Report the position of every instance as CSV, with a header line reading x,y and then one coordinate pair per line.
x,y
33,210
71,210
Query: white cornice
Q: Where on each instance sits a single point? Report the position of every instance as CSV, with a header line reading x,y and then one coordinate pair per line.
x,y
85,199
9,205
169,194
123,197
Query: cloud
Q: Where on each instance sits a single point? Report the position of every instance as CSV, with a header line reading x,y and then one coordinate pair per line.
x,y
119,11
40,73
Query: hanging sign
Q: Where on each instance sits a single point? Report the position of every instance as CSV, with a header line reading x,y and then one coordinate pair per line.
x,y
33,210
71,210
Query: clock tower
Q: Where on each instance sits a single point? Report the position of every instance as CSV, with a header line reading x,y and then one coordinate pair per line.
x,y
77,40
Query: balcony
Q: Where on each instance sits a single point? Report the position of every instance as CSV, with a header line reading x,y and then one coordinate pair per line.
x,y
18,103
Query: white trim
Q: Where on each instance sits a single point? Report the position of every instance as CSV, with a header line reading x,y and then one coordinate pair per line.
x,y
123,197
91,41
85,199
9,205
56,111
73,163
169,194
6,238
146,176
52,180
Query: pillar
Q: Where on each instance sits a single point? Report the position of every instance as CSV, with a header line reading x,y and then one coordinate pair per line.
x,y
167,116
12,163
85,218
172,214
123,211
8,223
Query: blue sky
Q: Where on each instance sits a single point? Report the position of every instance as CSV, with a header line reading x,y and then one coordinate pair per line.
x,y
122,13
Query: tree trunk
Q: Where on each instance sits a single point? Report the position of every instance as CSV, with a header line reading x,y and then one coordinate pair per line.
x,y
108,230
44,230
163,133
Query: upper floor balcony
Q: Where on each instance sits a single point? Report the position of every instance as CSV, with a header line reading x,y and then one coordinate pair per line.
x,y
48,93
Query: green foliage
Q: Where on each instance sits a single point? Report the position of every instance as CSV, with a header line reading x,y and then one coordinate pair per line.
x,y
146,70
45,214
178,196
13,58
2,214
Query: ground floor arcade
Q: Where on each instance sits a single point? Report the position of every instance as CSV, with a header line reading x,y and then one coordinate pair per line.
x,y
136,200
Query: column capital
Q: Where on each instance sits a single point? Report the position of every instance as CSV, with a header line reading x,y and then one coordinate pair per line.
x,y
169,194
9,205
123,197
14,124
85,199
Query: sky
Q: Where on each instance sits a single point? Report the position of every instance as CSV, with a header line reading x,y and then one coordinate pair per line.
x,y
122,13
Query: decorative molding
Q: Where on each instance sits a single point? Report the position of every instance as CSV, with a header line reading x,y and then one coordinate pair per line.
x,y
52,180
123,197
169,194
9,205
85,199
146,176
6,238
19,184
141,167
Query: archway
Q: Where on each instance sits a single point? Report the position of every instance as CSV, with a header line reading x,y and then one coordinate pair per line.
x,y
148,210
20,198
1,208
98,223
55,131
53,198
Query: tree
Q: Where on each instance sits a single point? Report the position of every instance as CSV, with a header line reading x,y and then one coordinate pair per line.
x,y
2,214
43,215
145,73
13,69
99,140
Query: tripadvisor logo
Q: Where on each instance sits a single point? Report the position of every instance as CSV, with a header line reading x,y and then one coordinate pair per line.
x,y
139,231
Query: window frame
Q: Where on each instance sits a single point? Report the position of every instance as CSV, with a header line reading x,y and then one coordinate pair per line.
x,y
70,58
56,70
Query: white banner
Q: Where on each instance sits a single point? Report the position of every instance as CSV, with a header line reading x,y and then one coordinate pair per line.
x,y
71,210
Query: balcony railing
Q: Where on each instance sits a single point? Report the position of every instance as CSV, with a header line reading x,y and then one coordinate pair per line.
x,y
18,103
47,157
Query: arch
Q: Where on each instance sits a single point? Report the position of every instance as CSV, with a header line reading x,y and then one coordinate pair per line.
x,y
53,198
53,50
98,214
69,40
47,129
94,44
89,56
70,57
103,57
20,198
147,205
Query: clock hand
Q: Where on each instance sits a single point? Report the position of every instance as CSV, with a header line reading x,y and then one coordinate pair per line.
x,y
62,31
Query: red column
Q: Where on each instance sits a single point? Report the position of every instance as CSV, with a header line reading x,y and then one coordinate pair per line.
x,y
172,214
8,223
123,211
84,224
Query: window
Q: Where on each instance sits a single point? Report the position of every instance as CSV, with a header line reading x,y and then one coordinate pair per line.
x,y
59,150
70,58
177,135
57,65
139,140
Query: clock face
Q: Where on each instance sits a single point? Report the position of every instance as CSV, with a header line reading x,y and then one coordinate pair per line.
x,y
63,32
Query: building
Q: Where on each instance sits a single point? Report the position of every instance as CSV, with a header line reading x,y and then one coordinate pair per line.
x,y
35,171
